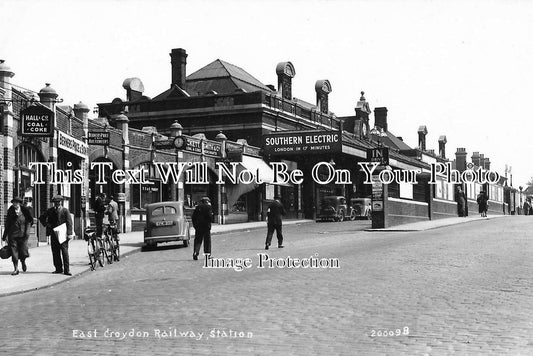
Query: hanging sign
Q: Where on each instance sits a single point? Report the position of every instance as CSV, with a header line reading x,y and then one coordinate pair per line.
x,y
37,121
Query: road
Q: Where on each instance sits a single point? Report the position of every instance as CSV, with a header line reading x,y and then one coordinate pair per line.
x,y
465,289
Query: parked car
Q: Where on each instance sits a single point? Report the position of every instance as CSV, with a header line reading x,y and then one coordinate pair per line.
x,y
360,208
333,208
166,222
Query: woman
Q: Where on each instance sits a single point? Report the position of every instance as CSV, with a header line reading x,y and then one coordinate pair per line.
x,y
483,204
18,222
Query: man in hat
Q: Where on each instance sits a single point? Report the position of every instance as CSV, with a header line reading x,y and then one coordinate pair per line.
x,y
201,221
17,229
52,218
274,213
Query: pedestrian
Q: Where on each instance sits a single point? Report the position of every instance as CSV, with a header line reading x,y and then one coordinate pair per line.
x,y
112,210
482,202
461,201
99,211
201,221
274,222
17,231
52,218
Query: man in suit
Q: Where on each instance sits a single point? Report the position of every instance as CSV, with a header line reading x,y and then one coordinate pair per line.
x,y
99,211
201,221
52,218
274,213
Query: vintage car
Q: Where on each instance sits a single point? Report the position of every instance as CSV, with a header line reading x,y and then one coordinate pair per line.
x,y
166,222
360,208
332,207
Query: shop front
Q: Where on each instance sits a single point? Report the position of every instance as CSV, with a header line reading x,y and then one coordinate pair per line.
x,y
72,156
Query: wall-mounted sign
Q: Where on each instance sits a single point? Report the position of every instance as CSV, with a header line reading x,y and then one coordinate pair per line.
x,y
70,144
98,138
305,142
163,144
379,155
37,121
193,144
121,197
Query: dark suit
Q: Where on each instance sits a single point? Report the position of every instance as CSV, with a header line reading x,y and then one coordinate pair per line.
x,y
201,221
99,211
52,218
274,222
17,233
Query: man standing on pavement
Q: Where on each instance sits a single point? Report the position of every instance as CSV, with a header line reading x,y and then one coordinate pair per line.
x,y
112,210
201,221
52,218
274,213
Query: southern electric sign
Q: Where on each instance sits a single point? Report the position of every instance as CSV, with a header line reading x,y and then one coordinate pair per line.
x,y
305,142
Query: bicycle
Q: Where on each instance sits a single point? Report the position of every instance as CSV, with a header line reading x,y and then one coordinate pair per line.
x,y
94,248
113,244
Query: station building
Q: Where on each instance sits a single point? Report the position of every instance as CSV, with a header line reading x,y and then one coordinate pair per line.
x,y
222,97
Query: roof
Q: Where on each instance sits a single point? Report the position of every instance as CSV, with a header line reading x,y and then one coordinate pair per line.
x,y
222,77
394,142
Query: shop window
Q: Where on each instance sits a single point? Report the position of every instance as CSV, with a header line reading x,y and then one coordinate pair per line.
x,y
142,194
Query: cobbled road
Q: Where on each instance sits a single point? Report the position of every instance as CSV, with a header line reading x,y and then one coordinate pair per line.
x,y
466,289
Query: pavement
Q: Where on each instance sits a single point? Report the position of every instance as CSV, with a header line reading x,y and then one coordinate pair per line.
x,y
40,264
433,224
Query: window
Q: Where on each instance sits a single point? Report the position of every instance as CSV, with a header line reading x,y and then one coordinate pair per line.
x,y
170,210
157,211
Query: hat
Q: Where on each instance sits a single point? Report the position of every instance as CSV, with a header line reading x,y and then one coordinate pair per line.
x,y
16,200
57,197
206,200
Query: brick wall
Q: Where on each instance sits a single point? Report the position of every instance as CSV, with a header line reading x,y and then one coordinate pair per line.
x,y
444,209
403,211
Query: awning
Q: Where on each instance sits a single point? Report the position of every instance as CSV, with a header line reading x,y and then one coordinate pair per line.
x,y
266,174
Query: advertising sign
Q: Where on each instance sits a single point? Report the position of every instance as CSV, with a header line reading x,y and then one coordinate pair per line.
x,y
98,138
70,144
37,121
379,155
305,142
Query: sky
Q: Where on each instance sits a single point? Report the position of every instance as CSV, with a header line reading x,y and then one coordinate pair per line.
x,y
462,68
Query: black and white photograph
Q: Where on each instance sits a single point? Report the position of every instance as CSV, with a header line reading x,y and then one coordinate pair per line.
x,y
323,177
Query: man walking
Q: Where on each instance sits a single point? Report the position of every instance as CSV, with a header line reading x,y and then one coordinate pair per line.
x,y
201,221
274,213
52,218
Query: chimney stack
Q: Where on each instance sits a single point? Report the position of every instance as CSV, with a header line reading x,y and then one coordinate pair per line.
x,y
285,72
460,159
422,132
178,59
134,88
322,88
487,164
442,146
476,159
380,118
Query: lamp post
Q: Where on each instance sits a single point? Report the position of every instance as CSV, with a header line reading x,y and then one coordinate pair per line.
x,y
520,207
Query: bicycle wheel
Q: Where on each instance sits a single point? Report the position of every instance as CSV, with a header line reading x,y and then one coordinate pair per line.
x,y
117,251
108,247
92,258
100,253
